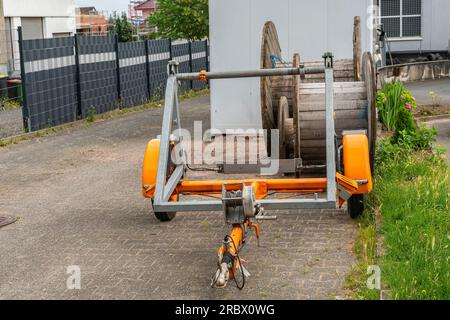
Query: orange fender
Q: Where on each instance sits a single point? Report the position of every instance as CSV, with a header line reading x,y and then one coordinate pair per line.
x,y
357,160
150,168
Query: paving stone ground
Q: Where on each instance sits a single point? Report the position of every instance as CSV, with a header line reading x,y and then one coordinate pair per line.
x,y
77,195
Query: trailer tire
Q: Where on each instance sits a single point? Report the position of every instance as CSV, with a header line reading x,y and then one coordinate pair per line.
x,y
356,205
165,216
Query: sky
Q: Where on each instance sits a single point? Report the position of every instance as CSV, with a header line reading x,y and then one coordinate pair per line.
x,y
105,5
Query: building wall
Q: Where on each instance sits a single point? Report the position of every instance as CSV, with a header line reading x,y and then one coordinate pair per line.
x,y
54,25
304,26
15,22
435,29
58,17
4,56
38,8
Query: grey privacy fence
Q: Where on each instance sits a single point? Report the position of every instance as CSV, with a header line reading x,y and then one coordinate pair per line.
x,y
49,81
98,79
66,79
159,55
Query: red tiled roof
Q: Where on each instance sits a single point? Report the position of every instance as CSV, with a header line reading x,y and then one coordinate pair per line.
x,y
146,5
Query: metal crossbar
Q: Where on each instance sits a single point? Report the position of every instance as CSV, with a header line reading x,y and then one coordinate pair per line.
x,y
252,73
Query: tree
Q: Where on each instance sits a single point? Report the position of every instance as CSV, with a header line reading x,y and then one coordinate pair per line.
x,y
182,19
122,27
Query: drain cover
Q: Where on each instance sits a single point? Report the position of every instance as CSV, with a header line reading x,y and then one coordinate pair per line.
x,y
6,220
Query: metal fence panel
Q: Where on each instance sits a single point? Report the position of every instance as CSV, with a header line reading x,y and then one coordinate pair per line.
x,y
49,82
158,58
181,54
199,62
133,76
66,79
98,74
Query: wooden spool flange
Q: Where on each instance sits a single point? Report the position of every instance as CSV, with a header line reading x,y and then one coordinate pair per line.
x,y
285,130
368,75
355,101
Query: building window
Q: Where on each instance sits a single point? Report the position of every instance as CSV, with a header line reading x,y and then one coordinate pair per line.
x,y
61,34
32,28
401,18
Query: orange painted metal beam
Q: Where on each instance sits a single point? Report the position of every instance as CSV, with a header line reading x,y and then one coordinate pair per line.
x,y
261,186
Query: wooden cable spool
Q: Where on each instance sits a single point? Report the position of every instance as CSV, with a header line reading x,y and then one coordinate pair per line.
x,y
270,45
286,130
295,106
271,119
369,77
354,102
357,48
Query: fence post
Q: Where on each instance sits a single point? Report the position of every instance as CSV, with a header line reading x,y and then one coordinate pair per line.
x,y
191,69
147,67
207,60
170,50
78,77
207,55
119,92
25,110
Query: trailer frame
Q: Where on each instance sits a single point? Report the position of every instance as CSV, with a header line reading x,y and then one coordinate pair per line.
x,y
166,186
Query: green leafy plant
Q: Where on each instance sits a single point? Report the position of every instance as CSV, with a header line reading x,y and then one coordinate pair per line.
x,y
440,151
405,120
182,19
404,143
426,113
122,27
8,104
395,105
92,112
388,151
420,139
119,104
152,36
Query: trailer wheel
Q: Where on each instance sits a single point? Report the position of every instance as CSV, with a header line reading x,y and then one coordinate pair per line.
x,y
165,216
356,205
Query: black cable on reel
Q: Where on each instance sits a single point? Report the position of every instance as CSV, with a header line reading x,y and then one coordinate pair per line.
x,y
203,169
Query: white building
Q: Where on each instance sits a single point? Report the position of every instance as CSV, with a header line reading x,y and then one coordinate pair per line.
x,y
416,25
38,19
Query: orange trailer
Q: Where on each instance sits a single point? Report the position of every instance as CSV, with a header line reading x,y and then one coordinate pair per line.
x,y
348,175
